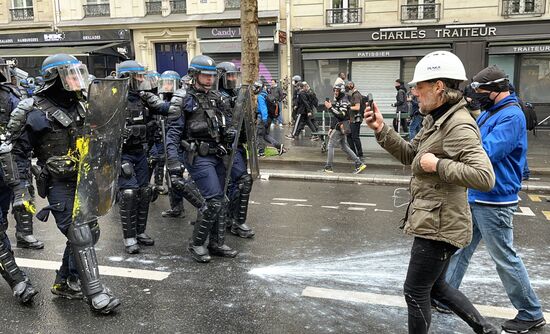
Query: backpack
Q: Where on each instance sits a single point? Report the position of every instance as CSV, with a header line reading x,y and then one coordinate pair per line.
x,y
531,120
272,106
313,102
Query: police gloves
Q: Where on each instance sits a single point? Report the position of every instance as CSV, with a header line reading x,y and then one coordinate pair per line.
x,y
174,167
230,135
151,100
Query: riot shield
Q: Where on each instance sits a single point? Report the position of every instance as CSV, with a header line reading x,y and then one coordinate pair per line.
x,y
99,149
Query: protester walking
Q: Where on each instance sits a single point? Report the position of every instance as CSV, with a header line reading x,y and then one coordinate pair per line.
x,y
401,112
446,157
355,119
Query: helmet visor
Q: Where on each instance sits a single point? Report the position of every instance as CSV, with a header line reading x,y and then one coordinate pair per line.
x,y
232,80
5,73
141,82
74,77
168,84
153,78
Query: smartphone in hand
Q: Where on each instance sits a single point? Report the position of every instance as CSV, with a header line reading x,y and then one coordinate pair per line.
x,y
370,101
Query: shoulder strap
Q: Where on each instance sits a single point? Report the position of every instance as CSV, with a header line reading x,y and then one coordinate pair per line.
x,y
497,110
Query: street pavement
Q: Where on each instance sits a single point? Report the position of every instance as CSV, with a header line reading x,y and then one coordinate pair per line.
x,y
327,258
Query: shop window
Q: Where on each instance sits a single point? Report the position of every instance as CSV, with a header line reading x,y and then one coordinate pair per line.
x,y
534,78
407,69
420,10
506,62
344,11
22,10
321,74
523,7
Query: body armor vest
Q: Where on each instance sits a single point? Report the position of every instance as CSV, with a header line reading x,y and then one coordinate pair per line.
x,y
136,123
65,123
206,122
5,108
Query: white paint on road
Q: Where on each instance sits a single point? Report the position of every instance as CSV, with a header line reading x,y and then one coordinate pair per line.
x,y
330,207
525,211
304,205
382,210
290,200
357,209
396,301
281,204
103,270
357,204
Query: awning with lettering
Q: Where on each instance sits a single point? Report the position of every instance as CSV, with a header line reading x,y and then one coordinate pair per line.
x,y
372,53
233,45
497,48
85,50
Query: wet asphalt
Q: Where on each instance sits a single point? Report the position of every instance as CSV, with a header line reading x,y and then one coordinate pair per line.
x,y
302,240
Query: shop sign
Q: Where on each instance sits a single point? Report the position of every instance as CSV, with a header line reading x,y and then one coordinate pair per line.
x,y
231,32
433,33
65,37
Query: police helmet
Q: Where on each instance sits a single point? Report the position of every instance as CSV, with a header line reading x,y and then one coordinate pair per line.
x,y
202,65
257,87
72,73
137,74
169,82
230,76
5,74
153,77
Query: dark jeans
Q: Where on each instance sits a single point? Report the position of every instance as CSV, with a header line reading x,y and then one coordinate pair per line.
x,y
403,122
354,141
426,278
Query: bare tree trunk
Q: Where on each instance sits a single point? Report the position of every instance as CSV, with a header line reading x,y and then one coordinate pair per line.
x,y
250,57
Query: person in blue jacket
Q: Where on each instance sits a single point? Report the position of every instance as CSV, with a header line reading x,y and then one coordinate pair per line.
x,y
504,138
264,121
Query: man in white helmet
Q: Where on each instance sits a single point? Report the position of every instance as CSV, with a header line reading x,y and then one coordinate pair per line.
x,y
446,157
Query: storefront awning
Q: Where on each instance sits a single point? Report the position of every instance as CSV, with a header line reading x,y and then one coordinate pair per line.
x,y
233,45
51,50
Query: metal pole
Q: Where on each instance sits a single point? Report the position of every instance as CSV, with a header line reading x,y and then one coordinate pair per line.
x,y
290,90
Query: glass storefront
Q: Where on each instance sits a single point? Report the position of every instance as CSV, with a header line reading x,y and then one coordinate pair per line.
x,y
321,74
534,78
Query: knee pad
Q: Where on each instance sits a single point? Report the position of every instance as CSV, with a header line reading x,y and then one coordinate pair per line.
x,y
212,209
80,236
245,183
128,196
94,227
145,194
127,169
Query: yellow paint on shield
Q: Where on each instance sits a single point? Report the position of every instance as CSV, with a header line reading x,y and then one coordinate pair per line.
x,y
29,207
114,90
82,150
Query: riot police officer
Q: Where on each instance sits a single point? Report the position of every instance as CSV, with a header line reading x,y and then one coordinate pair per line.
x,y
241,180
169,83
197,122
47,125
9,98
134,190
9,176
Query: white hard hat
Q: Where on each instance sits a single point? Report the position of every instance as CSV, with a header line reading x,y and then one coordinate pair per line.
x,y
439,64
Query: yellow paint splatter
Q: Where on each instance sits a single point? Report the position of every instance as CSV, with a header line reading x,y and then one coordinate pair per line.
x,y
82,150
114,90
29,207
547,214
535,198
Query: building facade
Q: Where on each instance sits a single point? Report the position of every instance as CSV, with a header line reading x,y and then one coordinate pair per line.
x,y
162,34
377,41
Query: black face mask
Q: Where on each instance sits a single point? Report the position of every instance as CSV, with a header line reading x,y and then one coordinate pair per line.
x,y
484,100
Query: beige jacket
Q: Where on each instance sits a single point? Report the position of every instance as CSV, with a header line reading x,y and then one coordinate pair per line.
x,y
439,208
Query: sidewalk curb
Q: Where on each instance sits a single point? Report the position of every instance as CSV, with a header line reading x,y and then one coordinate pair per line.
x,y
367,179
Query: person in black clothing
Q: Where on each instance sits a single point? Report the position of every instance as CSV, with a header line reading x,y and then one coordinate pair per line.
x,y
401,107
355,119
304,112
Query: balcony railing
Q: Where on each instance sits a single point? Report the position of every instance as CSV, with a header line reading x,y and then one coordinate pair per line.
x,y
178,6
102,9
427,11
22,14
232,4
523,7
153,7
344,15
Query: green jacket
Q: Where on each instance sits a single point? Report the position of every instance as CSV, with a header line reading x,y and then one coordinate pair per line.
x,y
439,209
